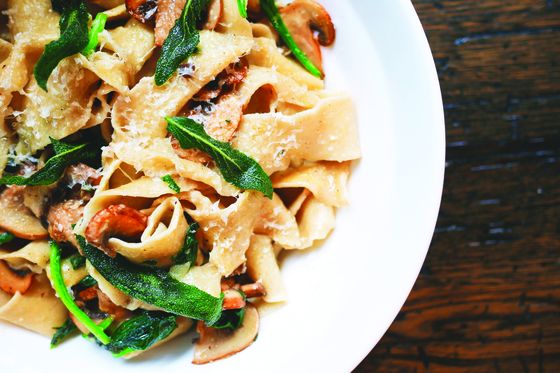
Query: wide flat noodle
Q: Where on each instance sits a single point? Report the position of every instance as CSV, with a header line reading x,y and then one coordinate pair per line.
x,y
23,309
34,256
326,180
263,267
266,53
205,277
162,239
227,230
61,111
317,134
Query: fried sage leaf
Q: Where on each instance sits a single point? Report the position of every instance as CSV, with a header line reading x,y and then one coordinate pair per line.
x,y
189,251
141,332
182,41
73,38
153,286
64,156
236,168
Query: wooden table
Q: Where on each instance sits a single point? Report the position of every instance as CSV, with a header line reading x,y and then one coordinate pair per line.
x,y
488,296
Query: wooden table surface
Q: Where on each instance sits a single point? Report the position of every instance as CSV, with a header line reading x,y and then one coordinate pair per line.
x,y
488,296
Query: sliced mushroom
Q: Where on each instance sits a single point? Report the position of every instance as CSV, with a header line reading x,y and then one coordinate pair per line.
x,y
82,174
214,14
107,306
61,217
305,17
216,344
115,221
18,219
254,6
142,10
11,282
225,82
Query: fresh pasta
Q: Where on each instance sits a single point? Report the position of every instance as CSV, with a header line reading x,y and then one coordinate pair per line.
x,y
149,187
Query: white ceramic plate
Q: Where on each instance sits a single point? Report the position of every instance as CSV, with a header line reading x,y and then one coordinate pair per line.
x,y
345,294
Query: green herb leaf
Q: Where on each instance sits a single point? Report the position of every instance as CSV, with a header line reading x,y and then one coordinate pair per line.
x,y
189,251
141,332
168,179
73,38
65,155
271,11
236,167
66,298
97,26
6,237
242,5
230,319
77,261
63,332
85,283
182,40
153,286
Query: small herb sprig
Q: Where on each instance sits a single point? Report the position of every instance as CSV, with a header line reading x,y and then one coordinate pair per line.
x,y
63,332
189,251
6,237
64,155
182,41
97,26
73,38
236,168
242,5
66,298
273,14
168,179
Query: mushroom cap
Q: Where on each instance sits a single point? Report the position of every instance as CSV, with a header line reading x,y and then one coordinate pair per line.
x,y
310,25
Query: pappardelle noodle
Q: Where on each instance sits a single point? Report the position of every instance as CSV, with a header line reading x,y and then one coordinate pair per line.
x,y
158,157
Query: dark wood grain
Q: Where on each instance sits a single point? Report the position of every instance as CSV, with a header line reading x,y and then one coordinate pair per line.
x,y
488,297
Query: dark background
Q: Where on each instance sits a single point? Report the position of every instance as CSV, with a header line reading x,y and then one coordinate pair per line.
x,y
488,296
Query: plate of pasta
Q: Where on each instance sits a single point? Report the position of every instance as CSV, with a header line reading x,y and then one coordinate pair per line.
x,y
211,184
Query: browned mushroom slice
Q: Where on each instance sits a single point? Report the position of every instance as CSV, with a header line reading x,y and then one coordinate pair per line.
x,y
18,219
254,6
233,300
115,221
216,344
61,217
168,12
11,282
107,306
142,10
193,155
225,82
214,14
82,174
305,17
